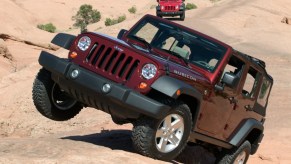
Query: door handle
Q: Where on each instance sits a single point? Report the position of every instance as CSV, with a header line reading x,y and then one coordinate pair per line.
x,y
249,108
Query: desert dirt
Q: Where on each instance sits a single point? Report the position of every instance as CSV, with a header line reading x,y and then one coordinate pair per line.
x,y
256,27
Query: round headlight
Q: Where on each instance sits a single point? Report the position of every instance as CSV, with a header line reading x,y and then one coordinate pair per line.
x,y
149,71
84,43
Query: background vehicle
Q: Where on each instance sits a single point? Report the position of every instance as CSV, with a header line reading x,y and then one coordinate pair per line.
x,y
171,8
174,84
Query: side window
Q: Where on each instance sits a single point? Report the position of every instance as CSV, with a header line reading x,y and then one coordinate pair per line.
x,y
264,92
251,83
235,67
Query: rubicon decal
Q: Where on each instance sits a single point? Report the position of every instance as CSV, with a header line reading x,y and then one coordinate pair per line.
x,y
185,75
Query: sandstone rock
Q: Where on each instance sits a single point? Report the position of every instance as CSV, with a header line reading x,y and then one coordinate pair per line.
x,y
286,20
4,52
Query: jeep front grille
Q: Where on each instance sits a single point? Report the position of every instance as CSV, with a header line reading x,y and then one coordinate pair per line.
x,y
111,61
170,8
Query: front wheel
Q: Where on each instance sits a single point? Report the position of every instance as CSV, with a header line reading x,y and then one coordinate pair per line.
x,y
182,16
51,101
165,138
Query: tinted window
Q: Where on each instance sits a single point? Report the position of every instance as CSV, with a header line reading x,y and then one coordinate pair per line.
x,y
264,92
251,83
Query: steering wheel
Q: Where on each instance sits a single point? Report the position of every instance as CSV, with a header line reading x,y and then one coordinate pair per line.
x,y
203,63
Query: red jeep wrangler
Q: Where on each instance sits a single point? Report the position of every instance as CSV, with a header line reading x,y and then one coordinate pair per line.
x,y
174,84
171,8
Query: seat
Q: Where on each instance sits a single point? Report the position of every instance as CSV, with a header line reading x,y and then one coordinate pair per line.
x,y
182,52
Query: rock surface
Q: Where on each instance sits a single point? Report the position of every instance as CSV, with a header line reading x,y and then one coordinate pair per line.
x,y
91,137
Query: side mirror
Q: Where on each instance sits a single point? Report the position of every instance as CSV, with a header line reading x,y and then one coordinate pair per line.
x,y
230,79
121,33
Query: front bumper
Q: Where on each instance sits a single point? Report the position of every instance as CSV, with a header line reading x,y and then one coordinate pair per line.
x,y
120,101
169,13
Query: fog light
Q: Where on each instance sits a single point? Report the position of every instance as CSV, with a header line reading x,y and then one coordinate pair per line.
x,y
106,88
75,73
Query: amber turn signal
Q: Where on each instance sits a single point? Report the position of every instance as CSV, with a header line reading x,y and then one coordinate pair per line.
x,y
73,55
178,92
142,85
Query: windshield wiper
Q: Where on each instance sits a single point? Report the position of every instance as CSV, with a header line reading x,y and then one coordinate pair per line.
x,y
142,40
177,55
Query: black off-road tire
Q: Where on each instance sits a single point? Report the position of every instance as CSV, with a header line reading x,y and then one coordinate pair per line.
x,y
145,130
182,16
230,156
42,99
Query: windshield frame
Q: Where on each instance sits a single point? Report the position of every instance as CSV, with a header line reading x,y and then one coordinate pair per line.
x,y
201,40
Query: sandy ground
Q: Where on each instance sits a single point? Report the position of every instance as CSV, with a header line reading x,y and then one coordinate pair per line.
x,y
251,26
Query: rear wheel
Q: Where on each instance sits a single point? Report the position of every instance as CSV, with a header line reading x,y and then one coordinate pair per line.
x,y
51,101
164,138
238,155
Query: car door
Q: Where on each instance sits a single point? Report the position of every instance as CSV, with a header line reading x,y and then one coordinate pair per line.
x,y
246,101
218,107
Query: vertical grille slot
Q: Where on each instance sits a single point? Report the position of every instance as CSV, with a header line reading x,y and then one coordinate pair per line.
x,y
170,7
110,62
132,69
119,61
125,66
96,57
105,55
91,52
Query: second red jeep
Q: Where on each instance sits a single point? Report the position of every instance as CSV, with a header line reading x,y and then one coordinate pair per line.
x,y
171,8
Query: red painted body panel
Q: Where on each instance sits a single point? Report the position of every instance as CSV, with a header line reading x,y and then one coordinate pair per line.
x,y
170,5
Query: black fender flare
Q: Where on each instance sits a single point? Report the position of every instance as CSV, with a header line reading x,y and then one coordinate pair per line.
x,y
63,40
169,86
245,130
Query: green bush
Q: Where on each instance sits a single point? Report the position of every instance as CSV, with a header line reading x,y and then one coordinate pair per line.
x,y
132,10
49,27
85,16
190,6
121,18
110,22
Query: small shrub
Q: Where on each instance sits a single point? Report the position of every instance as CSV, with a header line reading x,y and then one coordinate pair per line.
x,y
110,22
121,18
190,6
132,10
85,16
49,27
